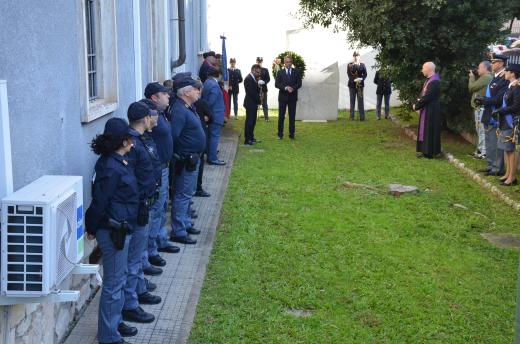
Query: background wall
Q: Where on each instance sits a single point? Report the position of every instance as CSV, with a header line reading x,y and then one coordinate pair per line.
x,y
271,28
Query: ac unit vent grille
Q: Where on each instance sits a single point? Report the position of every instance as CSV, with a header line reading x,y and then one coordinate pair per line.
x,y
24,248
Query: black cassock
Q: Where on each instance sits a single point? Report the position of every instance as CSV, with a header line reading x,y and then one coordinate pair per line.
x,y
429,131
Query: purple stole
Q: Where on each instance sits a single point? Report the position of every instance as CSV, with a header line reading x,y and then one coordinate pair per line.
x,y
422,112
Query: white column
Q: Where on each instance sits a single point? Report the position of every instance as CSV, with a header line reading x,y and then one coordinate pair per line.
x,y
6,165
137,50
166,39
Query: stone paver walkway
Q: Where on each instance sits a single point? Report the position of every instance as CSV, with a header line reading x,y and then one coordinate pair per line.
x,y
181,282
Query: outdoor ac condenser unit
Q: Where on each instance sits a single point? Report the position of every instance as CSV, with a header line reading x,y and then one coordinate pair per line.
x,y
41,235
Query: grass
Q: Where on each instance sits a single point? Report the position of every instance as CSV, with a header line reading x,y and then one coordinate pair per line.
x,y
369,267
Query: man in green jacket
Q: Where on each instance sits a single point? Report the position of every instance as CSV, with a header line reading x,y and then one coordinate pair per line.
x,y
478,86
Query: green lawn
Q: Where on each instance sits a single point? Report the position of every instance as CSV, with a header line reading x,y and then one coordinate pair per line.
x,y
371,268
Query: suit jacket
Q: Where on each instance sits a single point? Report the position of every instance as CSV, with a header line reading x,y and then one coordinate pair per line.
x,y
384,86
252,98
497,88
212,93
356,71
283,80
264,75
235,78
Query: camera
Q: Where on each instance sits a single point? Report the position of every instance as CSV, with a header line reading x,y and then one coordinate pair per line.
x,y
475,72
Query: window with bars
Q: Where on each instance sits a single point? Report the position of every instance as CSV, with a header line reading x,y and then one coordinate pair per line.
x,y
90,22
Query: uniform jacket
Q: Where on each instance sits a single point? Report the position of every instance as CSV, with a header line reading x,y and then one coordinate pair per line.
x,y
142,162
266,77
235,78
512,100
115,193
212,94
384,86
497,88
355,71
187,132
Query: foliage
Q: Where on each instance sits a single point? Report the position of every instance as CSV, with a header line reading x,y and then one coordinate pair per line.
x,y
371,268
298,63
453,35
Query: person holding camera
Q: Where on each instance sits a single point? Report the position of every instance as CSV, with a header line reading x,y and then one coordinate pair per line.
x,y
507,115
142,119
189,141
115,199
492,100
477,84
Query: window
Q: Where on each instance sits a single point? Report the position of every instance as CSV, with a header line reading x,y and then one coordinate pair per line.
x,y
90,23
100,77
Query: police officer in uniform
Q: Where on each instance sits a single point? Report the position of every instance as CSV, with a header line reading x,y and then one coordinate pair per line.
x,y
141,119
492,101
235,79
357,73
110,219
189,140
265,77
157,98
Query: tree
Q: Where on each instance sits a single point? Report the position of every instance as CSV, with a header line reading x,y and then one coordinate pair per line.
x,y
406,33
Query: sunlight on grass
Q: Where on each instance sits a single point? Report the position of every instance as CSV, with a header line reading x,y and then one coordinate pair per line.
x,y
368,267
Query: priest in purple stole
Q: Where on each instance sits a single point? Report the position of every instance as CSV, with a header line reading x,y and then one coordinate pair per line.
x,y
429,108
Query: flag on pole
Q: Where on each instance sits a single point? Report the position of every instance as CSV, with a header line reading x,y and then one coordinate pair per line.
x,y
224,59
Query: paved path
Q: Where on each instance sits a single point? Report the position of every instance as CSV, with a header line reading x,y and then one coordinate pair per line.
x,y
181,282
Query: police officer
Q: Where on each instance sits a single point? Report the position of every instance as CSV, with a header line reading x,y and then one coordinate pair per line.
x,y
189,141
493,100
115,198
265,78
157,98
141,119
357,73
235,79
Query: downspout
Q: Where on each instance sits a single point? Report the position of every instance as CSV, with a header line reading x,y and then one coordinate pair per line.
x,y
181,23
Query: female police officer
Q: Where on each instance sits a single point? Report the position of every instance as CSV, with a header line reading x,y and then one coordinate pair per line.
x,y
110,218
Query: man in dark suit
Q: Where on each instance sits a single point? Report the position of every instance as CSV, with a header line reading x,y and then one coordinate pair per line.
x,y
251,102
208,63
265,77
235,78
288,81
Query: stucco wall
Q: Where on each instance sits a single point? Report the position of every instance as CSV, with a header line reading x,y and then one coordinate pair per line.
x,y
40,57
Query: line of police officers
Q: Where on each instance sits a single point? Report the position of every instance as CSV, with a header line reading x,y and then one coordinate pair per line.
x,y
130,197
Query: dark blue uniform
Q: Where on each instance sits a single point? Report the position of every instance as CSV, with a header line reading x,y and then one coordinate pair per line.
x,y
142,160
115,195
188,137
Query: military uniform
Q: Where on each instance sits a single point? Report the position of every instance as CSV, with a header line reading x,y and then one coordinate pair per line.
x,y
355,71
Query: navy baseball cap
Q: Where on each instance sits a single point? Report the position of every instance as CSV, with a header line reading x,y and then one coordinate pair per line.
x,y
138,110
116,127
513,68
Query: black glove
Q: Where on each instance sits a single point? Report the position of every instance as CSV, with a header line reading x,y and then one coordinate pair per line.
x,y
143,213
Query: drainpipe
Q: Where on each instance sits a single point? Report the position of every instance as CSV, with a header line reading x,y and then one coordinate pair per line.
x,y
136,11
181,22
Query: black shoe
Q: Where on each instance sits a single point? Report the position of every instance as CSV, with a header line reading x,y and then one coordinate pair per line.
x,y
249,143
152,271
217,162
148,299
256,141
191,202
126,331
156,260
183,240
169,249
194,216
201,193
193,231
137,315
150,286
291,137
491,173
483,170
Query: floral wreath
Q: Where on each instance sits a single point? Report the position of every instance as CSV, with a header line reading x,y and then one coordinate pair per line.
x,y
297,60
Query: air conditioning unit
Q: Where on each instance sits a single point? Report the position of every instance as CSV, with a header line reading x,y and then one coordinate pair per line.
x,y
41,235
